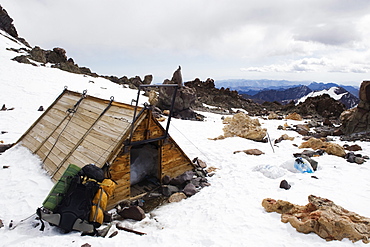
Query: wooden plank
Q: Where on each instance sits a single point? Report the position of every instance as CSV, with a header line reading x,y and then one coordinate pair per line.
x,y
105,129
30,142
87,111
115,121
84,120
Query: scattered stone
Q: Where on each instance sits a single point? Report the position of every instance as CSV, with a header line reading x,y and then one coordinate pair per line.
x,y
294,116
314,177
166,179
327,122
251,152
5,167
211,169
41,108
351,157
168,190
113,234
3,108
86,245
190,190
354,147
4,147
1,224
183,178
200,163
284,137
284,185
323,217
132,212
273,115
329,148
177,197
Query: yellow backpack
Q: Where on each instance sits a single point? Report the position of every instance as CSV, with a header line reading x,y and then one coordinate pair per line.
x,y
100,201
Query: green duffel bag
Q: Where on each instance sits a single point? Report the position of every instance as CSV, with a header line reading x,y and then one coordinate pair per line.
x,y
57,193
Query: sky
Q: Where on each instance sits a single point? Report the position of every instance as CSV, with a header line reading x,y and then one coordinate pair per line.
x,y
311,40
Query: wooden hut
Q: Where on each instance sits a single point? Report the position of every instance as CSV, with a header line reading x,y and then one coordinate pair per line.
x,y
80,129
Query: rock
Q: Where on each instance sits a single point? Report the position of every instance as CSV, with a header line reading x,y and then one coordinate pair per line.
x,y
251,151
327,122
354,147
294,116
190,190
132,212
357,119
359,160
86,245
323,217
168,190
273,115
322,105
184,101
243,126
1,223
177,77
6,24
177,197
166,179
4,147
284,185
41,108
330,148
200,163
183,178
283,137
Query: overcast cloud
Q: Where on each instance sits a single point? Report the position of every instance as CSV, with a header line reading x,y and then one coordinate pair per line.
x,y
315,40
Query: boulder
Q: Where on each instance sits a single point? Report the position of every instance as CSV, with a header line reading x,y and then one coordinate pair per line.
x,y
184,101
357,119
6,24
132,212
244,126
177,197
190,189
323,217
168,190
294,116
328,147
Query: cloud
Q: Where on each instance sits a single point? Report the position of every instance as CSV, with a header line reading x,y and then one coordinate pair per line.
x,y
313,65
204,36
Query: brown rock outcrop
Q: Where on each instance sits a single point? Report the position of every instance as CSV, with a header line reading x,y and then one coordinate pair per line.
x,y
328,147
244,126
294,116
323,217
6,24
358,119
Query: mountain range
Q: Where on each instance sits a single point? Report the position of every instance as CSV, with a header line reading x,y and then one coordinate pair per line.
x,y
284,91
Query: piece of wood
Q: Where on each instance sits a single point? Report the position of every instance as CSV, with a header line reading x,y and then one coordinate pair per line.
x,y
119,227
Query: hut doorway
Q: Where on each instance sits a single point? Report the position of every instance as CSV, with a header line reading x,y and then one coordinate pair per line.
x,y
144,168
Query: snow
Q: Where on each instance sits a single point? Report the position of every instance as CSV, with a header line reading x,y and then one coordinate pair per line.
x,y
330,92
227,213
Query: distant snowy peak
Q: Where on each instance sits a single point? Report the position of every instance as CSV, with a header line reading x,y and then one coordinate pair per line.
x,y
336,93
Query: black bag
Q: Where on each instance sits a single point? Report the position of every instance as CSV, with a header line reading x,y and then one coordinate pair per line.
x,y
93,172
73,212
76,205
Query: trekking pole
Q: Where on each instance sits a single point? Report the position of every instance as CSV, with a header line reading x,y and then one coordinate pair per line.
x,y
268,137
12,225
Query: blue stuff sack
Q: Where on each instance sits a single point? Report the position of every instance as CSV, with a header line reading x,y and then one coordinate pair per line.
x,y
302,165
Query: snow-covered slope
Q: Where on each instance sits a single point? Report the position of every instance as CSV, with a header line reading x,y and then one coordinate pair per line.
x,y
227,213
336,93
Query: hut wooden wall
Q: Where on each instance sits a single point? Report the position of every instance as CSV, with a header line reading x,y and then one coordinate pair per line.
x,y
172,160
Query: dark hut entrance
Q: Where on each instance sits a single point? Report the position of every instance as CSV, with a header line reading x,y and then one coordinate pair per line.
x,y
144,168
